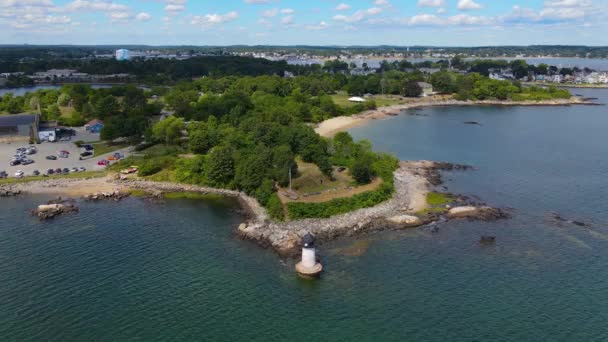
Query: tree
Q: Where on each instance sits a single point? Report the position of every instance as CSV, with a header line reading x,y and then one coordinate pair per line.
x,y
168,130
220,166
63,99
442,82
362,170
105,107
411,89
53,112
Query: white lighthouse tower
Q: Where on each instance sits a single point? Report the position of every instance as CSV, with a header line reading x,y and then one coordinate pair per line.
x,y
309,267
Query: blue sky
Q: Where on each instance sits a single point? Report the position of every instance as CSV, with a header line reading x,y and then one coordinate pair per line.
x,y
311,22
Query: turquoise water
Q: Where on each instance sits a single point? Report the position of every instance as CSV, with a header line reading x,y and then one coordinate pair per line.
x,y
139,271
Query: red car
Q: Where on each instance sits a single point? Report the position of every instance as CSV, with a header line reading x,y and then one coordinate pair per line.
x,y
103,162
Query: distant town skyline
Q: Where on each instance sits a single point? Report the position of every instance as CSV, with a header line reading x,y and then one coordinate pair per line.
x,y
313,22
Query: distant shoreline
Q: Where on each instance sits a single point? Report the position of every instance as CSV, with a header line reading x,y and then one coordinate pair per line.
x,y
330,127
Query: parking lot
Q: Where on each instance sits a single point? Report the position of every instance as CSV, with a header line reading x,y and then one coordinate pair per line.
x,y
8,150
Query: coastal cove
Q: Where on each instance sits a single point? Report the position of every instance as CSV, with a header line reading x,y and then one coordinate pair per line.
x,y
177,271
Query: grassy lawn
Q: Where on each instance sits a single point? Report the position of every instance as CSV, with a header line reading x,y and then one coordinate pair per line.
x,y
341,99
437,202
66,112
319,188
102,148
86,174
310,179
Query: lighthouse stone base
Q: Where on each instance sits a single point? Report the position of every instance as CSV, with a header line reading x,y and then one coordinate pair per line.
x,y
309,272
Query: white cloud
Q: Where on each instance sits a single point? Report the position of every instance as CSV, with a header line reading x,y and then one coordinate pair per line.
x,y
270,13
465,5
174,7
288,20
441,10
321,26
214,19
342,7
33,3
257,1
455,20
382,3
288,11
358,16
567,3
95,6
143,16
431,3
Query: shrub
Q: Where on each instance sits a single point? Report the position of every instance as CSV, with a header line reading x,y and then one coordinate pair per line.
x,y
275,208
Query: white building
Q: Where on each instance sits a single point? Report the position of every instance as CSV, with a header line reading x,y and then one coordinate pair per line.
x,y
122,55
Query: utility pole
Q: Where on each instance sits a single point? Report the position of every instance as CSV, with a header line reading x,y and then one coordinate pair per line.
x,y
289,177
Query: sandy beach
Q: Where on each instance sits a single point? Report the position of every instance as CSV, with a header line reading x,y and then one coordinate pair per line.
x,y
330,127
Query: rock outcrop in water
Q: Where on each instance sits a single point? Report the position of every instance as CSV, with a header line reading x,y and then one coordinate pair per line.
x,y
55,208
114,195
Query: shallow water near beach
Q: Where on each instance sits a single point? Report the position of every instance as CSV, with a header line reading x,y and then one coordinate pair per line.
x,y
140,271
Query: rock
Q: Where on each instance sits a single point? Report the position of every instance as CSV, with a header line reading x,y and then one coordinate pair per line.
x,y
487,240
472,123
54,208
405,220
115,195
478,213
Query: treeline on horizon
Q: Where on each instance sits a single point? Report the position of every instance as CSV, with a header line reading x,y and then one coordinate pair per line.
x,y
17,52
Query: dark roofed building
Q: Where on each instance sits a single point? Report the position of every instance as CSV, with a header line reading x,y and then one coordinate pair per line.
x,y
19,126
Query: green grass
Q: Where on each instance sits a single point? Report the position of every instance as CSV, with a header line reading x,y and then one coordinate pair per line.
x,y
138,193
86,174
341,99
192,195
437,199
104,148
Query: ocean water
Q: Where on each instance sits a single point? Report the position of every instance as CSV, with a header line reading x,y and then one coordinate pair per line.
x,y
140,271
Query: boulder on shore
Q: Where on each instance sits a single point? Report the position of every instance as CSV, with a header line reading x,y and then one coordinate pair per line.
x,y
478,213
114,195
405,220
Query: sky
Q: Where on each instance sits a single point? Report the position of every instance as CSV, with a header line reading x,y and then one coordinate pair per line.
x,y
305,22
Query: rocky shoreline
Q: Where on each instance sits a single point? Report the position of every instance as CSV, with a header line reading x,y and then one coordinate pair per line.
x,y
412,179
407,208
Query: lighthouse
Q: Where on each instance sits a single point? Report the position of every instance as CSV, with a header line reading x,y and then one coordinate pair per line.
x,y
309,267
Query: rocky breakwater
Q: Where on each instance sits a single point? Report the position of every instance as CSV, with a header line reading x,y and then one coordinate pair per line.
x,y
55,208
413,181
251,208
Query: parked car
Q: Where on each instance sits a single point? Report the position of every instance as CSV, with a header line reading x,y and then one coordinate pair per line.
x,y
50,171
74,169
15,162
82,169
65,170
118,155
103,162
85,155
88,147
112,158
58,170
51,157
3,174
36,173
26,161
62,154
30,151
19,174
